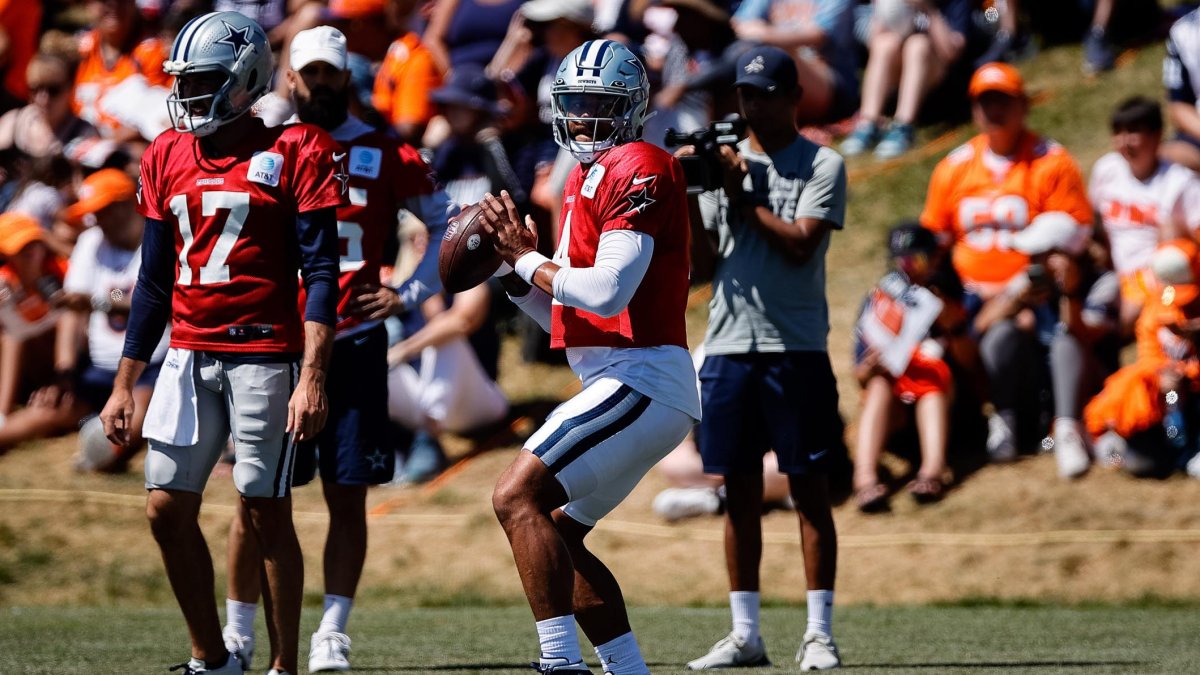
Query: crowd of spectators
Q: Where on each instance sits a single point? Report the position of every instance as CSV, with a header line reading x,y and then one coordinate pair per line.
x,y
1040,277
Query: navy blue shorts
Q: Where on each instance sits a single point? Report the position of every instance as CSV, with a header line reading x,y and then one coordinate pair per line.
x,y
352,449
94,385
787,402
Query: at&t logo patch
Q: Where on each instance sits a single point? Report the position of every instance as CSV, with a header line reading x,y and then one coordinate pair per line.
x,y
265,168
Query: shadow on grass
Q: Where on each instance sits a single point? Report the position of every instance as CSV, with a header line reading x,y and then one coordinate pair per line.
x,y
1055,663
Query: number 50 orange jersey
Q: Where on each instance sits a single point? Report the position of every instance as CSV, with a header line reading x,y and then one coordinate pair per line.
x,y
978,200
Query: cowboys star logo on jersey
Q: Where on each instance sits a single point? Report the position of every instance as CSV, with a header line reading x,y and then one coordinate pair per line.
x,y
639,201
341,175
238,40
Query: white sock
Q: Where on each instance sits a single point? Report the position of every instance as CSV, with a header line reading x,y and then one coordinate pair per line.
x,y
1064,425
337,611
744,605
559,640
621,656
240,616
820,612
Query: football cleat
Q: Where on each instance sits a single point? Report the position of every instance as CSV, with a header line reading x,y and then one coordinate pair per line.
x,y
560,668
330,652
196,667
733,652
818,652
241,646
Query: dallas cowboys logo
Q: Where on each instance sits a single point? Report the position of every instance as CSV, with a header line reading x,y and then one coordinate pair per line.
x,y
755,66
237,39
341,176
377,460
640,200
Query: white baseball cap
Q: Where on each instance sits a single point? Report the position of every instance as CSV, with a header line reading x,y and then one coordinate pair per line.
x,y
323,43
575,11
1052,231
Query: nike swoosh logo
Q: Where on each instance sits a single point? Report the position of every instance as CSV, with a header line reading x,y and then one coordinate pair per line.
x,y
337,157
814,456
642,181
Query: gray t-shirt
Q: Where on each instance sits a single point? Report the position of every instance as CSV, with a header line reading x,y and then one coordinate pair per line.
x,y
763,302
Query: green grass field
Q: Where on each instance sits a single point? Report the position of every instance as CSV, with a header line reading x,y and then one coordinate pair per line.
x,y
1144,638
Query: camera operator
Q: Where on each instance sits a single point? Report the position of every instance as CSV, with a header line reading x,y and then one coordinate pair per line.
x,y
1065,311
766,382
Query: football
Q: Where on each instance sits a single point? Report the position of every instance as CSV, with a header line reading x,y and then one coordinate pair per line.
x,y
467,257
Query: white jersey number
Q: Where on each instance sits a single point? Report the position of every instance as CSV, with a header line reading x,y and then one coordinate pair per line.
x,y
215,271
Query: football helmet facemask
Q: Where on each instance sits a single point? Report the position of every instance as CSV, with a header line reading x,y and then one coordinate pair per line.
x,y
601,92
231,47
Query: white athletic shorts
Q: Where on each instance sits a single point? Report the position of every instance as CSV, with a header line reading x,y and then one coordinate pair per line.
x,y
198,402
602,441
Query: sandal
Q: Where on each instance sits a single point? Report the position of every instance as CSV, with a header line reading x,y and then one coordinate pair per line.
x,y
927,490
872,499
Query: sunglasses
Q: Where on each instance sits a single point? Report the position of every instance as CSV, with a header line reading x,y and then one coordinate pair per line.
x,y
50,89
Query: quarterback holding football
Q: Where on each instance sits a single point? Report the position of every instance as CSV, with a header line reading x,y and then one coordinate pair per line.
x,y
613,296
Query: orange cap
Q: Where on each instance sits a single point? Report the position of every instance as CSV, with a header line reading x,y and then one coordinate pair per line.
x,y
1176,266
106,186
355,9
999,77
17,231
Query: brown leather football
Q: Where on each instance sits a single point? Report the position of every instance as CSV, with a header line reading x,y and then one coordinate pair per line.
x,y
467,257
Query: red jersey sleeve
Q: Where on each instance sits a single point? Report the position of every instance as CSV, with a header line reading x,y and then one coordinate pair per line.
x,y
319,176
148,201
640,194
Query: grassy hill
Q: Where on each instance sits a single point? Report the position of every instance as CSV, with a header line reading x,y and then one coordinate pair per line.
x,y
1013,532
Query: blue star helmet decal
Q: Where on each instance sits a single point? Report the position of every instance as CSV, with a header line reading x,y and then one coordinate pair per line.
x,y
238,40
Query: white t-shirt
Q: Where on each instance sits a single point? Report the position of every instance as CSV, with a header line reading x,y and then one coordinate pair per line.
x,y
1134,211
98,268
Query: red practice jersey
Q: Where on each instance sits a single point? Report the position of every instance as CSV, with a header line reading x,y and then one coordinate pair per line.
x,y
638,187
384,174
235,232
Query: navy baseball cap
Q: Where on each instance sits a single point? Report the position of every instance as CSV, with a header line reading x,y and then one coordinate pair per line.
x,y
909,238
767,68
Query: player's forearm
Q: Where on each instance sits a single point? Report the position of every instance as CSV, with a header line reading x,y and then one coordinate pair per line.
x,y
1186,118
797,240
535,304
128,372
318,345
66,341
317,237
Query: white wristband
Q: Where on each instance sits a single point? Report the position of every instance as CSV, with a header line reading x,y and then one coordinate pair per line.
x,y
527,264
503,270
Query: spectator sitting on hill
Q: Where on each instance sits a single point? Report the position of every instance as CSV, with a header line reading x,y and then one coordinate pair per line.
x,y
1064,310
913,46
1140,199
980,196
96,292
468,31
922,394
1181,77
118,48
20,21
701,32
31,280
47,124
472,161
1147,418
406,78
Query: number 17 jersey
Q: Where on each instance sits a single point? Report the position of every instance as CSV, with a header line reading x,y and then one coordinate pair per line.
x,y
236,242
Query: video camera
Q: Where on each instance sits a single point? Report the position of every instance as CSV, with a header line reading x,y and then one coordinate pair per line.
x,y
703,169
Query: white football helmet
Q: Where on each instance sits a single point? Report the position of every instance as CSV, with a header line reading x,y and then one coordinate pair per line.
x,y
226,43
604,85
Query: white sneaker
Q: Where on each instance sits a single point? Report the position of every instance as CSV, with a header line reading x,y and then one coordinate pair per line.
x,y
818,652
1193,466
330,652
241,646
1070,452
679,503
277,672
1001,441
1110,449
733,652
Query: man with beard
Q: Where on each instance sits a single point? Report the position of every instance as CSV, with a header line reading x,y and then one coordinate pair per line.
x,y
352,452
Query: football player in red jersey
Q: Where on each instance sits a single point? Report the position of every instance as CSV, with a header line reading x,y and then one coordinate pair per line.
x,y
385,175
233,209
614,297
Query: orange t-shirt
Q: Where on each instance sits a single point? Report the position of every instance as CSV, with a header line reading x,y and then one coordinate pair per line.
x,y
22,20
406,78
95,77
978,200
